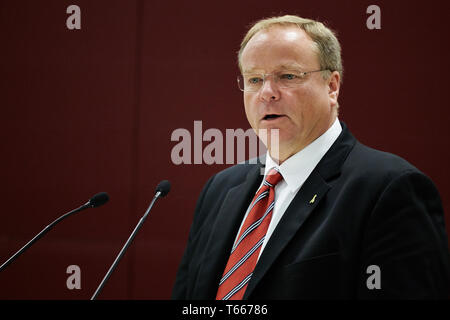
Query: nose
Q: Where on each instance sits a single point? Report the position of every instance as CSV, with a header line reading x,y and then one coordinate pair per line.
x,y
269,91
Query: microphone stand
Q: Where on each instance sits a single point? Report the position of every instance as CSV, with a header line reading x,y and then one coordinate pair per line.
x,y
125,247
42,233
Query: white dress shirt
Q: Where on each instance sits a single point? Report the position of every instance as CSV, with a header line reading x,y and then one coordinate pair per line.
x,y
295,170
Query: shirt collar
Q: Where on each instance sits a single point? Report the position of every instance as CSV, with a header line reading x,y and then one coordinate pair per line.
x,y
297,168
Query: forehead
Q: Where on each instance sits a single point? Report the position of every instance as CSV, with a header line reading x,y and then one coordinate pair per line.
x,y
279,47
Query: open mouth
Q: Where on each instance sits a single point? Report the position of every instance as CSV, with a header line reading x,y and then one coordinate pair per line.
x,y
271,116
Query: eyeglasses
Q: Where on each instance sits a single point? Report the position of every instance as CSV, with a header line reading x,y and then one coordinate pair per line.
x,y
253,82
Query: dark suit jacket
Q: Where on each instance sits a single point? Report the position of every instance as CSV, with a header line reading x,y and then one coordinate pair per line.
x,y
371,208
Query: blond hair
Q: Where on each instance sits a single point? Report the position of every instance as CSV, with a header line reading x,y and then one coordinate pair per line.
x,y
326,42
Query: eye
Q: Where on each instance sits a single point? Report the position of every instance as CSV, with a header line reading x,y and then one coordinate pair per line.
x,y
288,76
254,80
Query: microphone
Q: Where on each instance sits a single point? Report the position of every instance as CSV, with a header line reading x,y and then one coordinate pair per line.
x,y
96,201
162,190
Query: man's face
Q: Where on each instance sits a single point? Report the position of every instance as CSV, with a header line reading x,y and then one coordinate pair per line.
x,y
303,112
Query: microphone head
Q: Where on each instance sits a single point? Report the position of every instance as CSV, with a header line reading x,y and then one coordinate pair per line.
x,y
163,187
99,199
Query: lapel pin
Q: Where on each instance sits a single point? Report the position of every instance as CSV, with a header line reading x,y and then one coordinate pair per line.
x,y
313,199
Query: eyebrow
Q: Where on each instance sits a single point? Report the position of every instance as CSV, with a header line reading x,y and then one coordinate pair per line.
x,y
288,66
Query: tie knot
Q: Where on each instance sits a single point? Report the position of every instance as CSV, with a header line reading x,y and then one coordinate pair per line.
x,y
273,177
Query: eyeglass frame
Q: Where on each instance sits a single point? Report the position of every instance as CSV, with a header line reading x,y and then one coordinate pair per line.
x,y
264,75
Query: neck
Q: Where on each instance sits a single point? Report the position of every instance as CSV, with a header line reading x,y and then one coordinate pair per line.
x,y
287,150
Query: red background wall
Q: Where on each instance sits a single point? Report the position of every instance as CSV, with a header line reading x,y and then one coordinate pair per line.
x,y
93,110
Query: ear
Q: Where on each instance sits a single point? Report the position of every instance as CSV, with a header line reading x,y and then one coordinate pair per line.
x,y
334,83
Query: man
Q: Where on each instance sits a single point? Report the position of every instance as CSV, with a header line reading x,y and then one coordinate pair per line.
x,y
332,218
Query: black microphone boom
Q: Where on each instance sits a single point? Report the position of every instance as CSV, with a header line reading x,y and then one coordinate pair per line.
x,y
161,190
96,201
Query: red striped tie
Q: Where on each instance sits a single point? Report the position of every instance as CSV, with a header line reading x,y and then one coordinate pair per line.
x,y
247,246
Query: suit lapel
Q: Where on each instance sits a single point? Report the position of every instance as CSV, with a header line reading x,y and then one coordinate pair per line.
x,y
224,231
